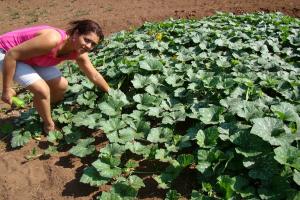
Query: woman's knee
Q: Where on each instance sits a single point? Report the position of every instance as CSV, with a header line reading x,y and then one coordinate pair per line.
x,y
64,84
40,89
58,85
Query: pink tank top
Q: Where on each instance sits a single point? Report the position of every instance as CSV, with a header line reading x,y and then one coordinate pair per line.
x,y
14,38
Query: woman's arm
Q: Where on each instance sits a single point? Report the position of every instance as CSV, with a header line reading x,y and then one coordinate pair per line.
x,y
88,69
39,45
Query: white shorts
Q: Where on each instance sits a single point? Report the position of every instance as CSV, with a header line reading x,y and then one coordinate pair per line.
x,y
26,75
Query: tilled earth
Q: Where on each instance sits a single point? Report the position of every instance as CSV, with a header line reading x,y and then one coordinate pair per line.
x,y
57,177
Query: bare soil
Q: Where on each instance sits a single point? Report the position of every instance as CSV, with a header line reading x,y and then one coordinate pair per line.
x,y
57,177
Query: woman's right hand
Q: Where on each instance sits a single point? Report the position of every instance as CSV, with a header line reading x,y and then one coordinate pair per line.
x,y
7,95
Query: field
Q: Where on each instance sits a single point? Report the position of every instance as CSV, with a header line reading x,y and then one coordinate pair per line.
x,y
25,174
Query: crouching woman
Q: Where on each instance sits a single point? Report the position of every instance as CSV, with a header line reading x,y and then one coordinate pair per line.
x,y
30,55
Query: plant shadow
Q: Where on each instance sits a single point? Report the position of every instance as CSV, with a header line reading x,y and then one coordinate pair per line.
x,y
75,188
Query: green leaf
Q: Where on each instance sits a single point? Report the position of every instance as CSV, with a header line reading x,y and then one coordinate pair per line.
x,y
165,179
91,176
163,156
159,135
124,190
198,196
51,150
54,136
20,139
115,150
111,125
106,170
286,111
172,195
87,98
71,134
145,100
211,115
109,108
294,196
75,88
272,130
83,148
245,109
276,188
234,185
138,148
249,144
185,160
203,160
151,64
288,155
109,196
140,81
262,167
208,137
219,42
135,182
87,119
296,177
226,183
115,100
174,80
126,135
130,164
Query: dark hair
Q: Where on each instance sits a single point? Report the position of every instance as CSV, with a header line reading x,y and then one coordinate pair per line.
x,y
84,27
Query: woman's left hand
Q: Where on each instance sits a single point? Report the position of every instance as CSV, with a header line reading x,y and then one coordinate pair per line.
x,y
86,66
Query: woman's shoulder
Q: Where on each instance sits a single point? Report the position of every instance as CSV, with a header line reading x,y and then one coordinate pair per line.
x,y
52,33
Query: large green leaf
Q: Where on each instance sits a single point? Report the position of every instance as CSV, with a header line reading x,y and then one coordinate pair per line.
x,y
53,136
111,125
106,170
208,137
20,138
83,148
211,115
296,177
109,196
288,155
151,64
140,81
115,100
159,135
138,148
272,130
245,109
262,167
87,119
91,176
249,144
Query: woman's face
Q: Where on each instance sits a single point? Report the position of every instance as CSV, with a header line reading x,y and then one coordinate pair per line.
x,y
85,43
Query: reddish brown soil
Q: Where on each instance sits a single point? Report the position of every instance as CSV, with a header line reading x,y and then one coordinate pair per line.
x,y
57,177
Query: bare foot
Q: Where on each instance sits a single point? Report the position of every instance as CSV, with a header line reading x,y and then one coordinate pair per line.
x,y
47,128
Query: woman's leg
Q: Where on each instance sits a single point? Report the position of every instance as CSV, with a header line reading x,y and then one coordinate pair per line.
x,y
58,87
36,79
41,101
57,84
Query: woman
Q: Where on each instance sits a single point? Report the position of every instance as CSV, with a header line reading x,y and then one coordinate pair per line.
x,y
29,57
